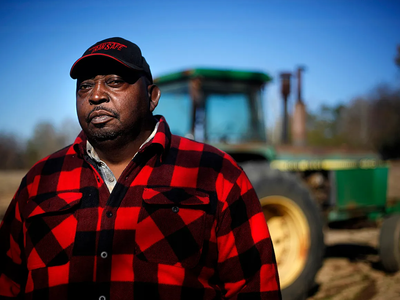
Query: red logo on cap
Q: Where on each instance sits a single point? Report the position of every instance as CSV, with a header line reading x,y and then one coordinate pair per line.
x,y
107,46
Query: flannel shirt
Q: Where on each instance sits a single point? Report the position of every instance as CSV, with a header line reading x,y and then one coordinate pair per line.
x,y
182,222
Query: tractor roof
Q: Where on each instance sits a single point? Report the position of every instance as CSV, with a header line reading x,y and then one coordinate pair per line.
x,y
217,74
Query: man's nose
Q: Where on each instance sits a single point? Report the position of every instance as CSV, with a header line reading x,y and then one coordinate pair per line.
x,y
99,94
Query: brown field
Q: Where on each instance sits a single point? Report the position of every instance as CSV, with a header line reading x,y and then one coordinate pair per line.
x,y
351,269
9,182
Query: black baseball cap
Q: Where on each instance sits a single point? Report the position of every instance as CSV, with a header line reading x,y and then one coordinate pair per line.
x,y
113,49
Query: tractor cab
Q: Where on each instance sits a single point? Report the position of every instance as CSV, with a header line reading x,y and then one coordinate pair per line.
x,y
220,107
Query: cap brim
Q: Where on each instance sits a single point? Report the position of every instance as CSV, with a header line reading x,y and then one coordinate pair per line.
x,y
85,61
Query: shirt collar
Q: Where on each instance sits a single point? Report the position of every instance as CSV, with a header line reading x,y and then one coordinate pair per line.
x,y
93,154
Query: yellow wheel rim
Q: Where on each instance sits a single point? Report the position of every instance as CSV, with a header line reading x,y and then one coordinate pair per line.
x,y
290,235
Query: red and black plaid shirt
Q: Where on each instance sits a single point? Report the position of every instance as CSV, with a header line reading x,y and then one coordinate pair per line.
x,y
182,222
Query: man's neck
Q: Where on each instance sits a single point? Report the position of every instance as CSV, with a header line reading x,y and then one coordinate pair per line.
x,y
117,153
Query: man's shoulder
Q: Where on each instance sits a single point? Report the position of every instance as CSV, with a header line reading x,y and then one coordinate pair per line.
x,y
183,143
43,176
210,154
54,160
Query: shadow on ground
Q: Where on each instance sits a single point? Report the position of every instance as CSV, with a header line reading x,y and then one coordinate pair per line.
x,y
354,253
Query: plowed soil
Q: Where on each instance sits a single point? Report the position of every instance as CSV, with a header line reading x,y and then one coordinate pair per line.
x,y
352,270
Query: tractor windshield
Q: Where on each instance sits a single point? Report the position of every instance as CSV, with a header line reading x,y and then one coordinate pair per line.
x,y
222,113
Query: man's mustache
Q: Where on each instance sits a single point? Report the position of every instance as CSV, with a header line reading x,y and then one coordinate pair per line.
x,y
112,112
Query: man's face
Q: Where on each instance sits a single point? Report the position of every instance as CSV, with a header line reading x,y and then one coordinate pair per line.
x,y
112,103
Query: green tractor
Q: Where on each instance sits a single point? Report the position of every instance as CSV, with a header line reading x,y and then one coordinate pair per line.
x,y
301,189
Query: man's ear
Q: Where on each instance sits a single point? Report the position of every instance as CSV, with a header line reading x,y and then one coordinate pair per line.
x,y
154,96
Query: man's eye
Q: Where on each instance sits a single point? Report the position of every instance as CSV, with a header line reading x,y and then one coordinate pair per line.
x,y
115,82
85,86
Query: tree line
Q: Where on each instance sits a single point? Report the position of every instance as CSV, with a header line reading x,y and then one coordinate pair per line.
x,y
367,122
46,139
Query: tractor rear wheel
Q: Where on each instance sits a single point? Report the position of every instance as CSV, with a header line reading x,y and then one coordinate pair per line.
x,y
295,224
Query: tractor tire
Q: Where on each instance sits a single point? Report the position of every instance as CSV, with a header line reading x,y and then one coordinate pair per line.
x,y
295,224
389,244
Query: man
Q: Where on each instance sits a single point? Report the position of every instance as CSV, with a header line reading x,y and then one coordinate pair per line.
x,y
130,211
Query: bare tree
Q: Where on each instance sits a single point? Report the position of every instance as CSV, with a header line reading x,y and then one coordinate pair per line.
x,y
384,122
353,123
11,156
48,139
323,126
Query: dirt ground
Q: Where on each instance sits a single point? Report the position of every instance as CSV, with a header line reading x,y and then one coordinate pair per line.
x,y
351,268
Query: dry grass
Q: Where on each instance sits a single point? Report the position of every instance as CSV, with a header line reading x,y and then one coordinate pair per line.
x,y
9,183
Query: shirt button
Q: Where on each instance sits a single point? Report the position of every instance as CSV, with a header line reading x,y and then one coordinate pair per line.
x,y
175,209
104,254
111,179
102,298
109,214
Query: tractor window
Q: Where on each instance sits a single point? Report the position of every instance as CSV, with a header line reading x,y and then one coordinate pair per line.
x,y
228,118
234,118
175,105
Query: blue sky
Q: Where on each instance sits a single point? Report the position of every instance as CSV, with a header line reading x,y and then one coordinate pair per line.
x,y
347,47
